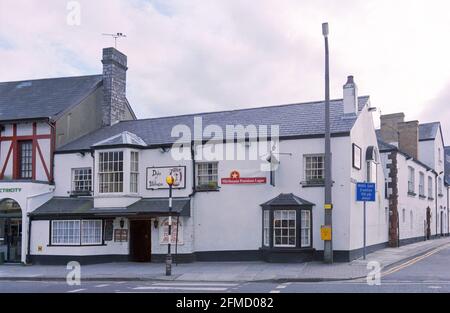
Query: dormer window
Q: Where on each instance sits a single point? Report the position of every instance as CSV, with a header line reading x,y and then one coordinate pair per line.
x,y
110,172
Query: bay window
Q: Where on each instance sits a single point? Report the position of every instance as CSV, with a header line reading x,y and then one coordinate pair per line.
x,y
134,171
110,172
287,227
284,228
305,228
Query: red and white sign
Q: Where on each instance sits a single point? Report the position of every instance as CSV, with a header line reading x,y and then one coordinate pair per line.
x,y
235,178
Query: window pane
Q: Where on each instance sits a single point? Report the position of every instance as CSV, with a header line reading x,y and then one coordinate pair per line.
x,y
284,228
111,172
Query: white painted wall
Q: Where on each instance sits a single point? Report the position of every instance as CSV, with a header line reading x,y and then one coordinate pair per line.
x,y
40,239
363,135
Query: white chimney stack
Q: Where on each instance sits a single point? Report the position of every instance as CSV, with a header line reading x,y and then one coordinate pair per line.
x,y
350,96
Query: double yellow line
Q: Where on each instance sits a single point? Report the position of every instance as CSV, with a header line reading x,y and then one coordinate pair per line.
x,y
413,261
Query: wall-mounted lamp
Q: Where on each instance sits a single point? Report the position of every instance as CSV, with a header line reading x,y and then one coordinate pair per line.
x,y
122,223
155,223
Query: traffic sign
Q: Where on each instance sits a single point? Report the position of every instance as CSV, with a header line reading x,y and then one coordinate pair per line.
x,y
365,192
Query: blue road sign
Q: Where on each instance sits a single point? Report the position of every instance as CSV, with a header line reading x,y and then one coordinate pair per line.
x,y
365,192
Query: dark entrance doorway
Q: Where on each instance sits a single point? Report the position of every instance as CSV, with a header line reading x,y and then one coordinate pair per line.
x,y
428,223
140,240
10,231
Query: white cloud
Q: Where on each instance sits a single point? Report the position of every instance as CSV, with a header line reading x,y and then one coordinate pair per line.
x,y
195,55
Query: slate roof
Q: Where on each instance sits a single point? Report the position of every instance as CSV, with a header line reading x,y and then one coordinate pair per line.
x,y
447,165
287,199
386,147
428,131
301,119
124,138
43,98
63,206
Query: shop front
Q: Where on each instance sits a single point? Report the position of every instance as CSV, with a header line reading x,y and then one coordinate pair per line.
x,y
10,231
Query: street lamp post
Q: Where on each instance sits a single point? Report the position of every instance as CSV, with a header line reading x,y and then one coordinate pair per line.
x,y
328,244
170,181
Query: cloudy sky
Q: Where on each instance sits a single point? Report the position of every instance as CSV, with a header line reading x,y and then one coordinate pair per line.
x,y
189,56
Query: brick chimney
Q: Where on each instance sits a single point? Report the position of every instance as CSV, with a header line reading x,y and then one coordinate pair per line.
x,y
350,96
408,138
114,86
389,127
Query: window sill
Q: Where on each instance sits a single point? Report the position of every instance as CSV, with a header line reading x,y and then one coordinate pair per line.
x,y
412,194
430,198
440,195
422,197
77,245
80,194
287,249
206,188
312,185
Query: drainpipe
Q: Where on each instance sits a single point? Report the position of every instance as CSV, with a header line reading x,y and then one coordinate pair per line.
x,y
193,170
28,256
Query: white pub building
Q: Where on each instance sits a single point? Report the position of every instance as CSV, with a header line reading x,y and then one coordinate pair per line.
x,y
82,179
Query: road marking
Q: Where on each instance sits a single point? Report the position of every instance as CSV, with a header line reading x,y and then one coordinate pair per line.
x,y
76,290
196,284
281,286
274,291
180,288
101,286
413,261
434,287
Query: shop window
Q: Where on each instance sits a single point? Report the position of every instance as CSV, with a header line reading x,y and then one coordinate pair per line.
x,y
82,181
207,176
110,172
65,232
76,232
91,232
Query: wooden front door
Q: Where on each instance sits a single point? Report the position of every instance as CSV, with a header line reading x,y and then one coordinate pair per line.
x,y
140,240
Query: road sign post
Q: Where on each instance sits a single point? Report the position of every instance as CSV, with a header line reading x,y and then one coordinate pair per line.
x,y
365,192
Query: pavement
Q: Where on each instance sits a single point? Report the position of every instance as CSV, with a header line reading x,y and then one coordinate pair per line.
x,y
226,271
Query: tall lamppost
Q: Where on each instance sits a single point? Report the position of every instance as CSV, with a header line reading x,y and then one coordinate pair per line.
x,y
169,180
328,243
